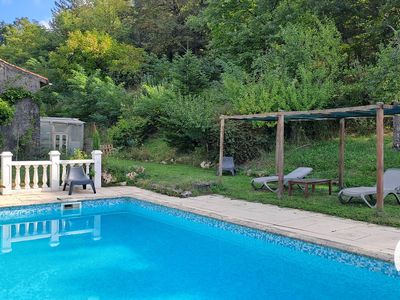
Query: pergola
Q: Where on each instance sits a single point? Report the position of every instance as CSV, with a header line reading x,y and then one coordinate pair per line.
x,y
378,111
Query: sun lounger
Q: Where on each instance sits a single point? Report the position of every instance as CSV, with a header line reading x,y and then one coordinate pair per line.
x,y
391,186
263,182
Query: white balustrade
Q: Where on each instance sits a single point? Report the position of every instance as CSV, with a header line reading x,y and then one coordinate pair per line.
x,y
29,176
38,167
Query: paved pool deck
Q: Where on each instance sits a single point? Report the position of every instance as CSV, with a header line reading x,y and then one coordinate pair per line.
x,y
353,236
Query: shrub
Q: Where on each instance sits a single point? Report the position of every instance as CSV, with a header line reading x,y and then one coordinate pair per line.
x,y
129,132
96,139
188,122
78,154
6,113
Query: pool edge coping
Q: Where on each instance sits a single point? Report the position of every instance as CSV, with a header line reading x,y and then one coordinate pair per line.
x,y
274,229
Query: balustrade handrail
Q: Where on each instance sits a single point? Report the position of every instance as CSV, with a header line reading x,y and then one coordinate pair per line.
x,y
77,161
31,163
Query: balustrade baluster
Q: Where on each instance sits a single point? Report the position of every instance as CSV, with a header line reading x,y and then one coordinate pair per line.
x,y
17,177
27,177
64,173
35,177
44,177
87,169
35,227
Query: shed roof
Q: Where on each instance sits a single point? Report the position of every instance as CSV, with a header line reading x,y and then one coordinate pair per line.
x,y
366,111
40,77
61,120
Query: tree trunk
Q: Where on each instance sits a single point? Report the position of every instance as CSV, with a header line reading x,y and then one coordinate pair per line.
x,y
396,132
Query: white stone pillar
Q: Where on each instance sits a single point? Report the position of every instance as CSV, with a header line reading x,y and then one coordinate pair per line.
x,y
96,156
55,170
6,172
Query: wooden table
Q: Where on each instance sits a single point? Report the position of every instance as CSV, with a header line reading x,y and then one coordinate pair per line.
x,y
309,181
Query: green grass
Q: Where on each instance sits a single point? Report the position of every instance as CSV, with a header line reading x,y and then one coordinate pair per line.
x,y
322,156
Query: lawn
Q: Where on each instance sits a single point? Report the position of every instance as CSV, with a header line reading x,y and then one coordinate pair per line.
x,y
321,156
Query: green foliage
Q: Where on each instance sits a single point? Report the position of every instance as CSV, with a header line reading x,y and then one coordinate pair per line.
x,y
188,122
238,29
12,95
302,77
161,27
110,16
102,98
78,155
188,74
96,139
24,40
95,50
383,79
6,113
129,132
244,142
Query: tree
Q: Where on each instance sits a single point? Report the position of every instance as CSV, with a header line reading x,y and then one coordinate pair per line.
x,y
383,80
239,30
188,73
93,15
162,27
93,98
24,40
300,72
94,51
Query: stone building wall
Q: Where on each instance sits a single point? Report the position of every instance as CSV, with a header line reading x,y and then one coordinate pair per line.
x,y
24,131
22,136
13,76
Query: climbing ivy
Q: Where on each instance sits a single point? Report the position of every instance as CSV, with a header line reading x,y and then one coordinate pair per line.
x,y
6,113
13,95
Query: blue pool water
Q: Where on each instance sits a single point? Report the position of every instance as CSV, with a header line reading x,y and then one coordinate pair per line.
x,y
129,249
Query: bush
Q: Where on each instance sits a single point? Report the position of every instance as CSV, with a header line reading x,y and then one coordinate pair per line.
x,y
188,122
244,142
96,139
129,132
6,113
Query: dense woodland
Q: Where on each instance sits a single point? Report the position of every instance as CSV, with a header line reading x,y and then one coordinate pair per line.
x,y
169,68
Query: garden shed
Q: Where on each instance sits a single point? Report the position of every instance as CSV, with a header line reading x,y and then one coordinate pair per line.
x,y
62,134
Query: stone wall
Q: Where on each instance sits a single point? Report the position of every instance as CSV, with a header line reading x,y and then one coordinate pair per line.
x,y
10,76
24,130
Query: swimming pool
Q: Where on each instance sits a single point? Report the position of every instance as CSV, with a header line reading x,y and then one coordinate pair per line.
x,y
130,249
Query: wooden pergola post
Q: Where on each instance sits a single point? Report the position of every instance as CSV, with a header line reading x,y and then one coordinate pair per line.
x,y
221,145
280,154
342,135
379,155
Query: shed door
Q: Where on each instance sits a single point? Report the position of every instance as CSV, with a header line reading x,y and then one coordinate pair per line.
x,y
60,142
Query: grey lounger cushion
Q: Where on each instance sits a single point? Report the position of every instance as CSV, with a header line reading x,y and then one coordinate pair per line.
x,y
296,174
391,186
